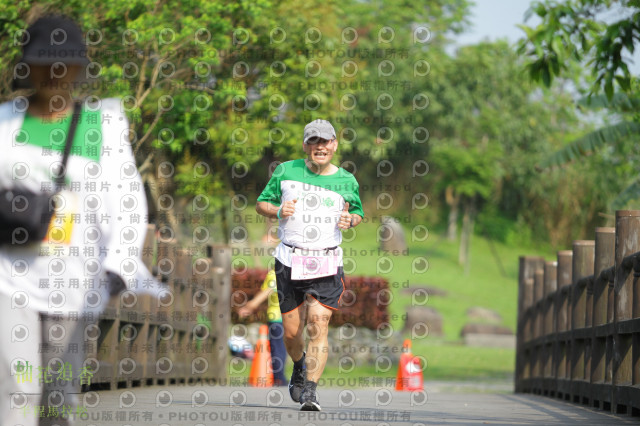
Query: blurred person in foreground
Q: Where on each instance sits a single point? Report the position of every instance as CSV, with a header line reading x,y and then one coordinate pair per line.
x,y
314,200
77,157
269,291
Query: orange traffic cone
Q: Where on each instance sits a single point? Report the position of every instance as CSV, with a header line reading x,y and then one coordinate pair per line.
x,y
409,377
261,374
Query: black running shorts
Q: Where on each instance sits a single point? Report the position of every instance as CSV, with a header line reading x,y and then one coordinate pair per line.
x,y
291,294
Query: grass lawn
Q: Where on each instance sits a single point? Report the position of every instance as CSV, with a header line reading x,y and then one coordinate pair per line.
x,y
491,283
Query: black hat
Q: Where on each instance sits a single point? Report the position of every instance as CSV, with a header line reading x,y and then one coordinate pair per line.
x,y
54,39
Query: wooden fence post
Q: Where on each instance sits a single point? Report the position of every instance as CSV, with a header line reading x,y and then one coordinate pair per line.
x,y
163,368
627,243
602,334
583,260
221,264
579,334
550,288
536,324
528,266
562,313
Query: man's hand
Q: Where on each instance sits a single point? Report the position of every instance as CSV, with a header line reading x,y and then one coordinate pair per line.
x,y
345,218
244,311
288,208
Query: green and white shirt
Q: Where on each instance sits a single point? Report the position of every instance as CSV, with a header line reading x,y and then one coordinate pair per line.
x,y
321,199
102,220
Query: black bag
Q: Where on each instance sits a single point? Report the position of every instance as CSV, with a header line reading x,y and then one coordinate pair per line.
x,y
25,215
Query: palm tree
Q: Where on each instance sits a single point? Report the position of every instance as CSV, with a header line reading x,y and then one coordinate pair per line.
x,y
626,124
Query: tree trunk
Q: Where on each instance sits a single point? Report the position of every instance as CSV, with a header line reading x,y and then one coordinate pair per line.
x,y
468,222
226,230
453,201
159,186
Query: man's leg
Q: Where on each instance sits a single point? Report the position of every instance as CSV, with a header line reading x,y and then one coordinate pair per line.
x,y
293,324
317,352
294,315
63,351
19,341
322,300
318,331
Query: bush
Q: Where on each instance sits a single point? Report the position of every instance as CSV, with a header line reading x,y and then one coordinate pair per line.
x,y
493,225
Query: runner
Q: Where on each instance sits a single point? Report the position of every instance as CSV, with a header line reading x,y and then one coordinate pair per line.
x,y
313,200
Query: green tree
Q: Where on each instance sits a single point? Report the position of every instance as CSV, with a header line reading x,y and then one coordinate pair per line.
x,y
576,30
163,59
398,49
200,83
485,115
615,142
470,172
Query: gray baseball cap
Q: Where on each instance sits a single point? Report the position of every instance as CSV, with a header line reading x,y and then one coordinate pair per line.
x,y
318,129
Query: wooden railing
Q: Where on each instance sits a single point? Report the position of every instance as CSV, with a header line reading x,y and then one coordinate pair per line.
x,y
178,336
578,335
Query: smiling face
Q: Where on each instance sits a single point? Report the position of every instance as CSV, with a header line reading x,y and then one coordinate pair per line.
x,y
321,152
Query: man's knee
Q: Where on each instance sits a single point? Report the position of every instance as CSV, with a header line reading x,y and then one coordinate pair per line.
x,y
292,333
318,328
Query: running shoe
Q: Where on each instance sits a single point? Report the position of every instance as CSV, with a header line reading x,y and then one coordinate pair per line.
x,y
298,378
309,398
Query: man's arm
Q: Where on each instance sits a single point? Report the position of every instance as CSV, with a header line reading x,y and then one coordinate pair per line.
x,y
288,208
267,209
253,304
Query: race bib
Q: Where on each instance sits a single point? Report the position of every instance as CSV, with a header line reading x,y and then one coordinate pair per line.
x,y
315,264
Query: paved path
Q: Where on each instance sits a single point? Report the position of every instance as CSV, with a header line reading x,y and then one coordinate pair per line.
x,y
235,406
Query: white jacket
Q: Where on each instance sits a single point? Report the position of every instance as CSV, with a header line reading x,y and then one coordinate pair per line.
x,y
108,234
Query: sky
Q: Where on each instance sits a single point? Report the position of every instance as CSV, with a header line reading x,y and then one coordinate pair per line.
x,y
494,19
